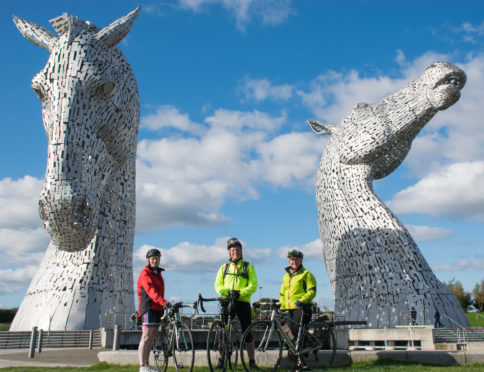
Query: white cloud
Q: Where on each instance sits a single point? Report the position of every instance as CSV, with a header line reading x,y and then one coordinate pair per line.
x,y
461,265
262,89
428,233
270,12
168,116
291,158
470,33
21,245
13,280
185,181
311,250
191,258
23,240
454,191
19,202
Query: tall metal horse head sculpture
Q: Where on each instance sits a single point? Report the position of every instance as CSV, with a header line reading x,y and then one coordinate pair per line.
x,y
376,270
90,110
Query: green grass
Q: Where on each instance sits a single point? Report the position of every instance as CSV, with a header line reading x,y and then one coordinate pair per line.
x,y
476,319
4,326
376,366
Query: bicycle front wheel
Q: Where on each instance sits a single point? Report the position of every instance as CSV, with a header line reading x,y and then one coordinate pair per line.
x,y
267,344
161,351
233,349
215,346
319,337
182,347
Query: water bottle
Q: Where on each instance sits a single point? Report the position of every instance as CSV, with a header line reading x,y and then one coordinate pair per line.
x,y
286,329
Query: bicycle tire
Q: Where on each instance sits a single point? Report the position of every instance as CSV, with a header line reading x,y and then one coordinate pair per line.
x,y
268,345
215,342
182,347
319,334
161,351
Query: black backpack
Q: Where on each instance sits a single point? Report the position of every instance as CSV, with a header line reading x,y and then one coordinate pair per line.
x,y
244,274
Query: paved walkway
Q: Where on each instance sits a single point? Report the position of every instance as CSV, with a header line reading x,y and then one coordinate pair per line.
x,y
49,357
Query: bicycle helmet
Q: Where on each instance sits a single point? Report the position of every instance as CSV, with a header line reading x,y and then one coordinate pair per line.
x,y
233,242
153,252
295,253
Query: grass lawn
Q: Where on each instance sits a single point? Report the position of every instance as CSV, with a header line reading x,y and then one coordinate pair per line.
x,y
476,319
376,366
4,326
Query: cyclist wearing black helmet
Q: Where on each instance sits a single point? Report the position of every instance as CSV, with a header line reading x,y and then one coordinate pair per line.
x,y
297,291
151,300
239,276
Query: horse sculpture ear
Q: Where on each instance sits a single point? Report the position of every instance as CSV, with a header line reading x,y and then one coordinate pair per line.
x,y
321,128
116,31
35,33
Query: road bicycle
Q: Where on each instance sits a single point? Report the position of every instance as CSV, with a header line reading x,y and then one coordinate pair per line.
x,y
224,336
314,340
174,340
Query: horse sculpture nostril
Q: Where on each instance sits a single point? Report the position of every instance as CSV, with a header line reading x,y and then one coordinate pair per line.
x,y
42,210
81,212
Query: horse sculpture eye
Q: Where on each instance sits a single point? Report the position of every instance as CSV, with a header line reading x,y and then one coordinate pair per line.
x,y
106,90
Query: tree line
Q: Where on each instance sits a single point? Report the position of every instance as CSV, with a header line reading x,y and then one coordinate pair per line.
x,y
468,300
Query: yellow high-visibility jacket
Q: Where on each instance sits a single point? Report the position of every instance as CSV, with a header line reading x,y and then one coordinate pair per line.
x,y
236,279
298,286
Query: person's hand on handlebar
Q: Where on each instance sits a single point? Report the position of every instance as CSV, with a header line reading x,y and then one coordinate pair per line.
x,y
235,294
168,305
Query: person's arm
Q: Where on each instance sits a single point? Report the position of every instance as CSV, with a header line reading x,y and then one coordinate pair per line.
x,y
310,290
282,294
219,282
251,286
154,292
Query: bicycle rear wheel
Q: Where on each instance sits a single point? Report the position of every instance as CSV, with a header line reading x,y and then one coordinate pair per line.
x,y
320,336
215,345
161,351
267,345
182,347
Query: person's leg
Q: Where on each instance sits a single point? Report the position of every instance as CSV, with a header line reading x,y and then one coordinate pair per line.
x,y
244,314
150,328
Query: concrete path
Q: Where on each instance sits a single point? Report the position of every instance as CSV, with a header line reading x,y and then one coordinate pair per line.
x,y
84,357
49,358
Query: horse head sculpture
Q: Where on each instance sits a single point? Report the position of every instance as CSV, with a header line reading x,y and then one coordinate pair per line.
x,y
376,270
90,111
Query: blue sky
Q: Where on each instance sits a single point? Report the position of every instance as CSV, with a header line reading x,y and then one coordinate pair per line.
x,y
226,87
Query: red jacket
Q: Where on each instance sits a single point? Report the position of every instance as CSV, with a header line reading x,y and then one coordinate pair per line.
x,y
151,290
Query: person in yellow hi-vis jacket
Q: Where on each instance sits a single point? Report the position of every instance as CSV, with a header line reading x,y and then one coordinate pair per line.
x,y
297,291
239,276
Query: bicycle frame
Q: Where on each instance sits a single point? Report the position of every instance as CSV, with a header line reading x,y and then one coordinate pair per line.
x,y
173,317
229,340
277,326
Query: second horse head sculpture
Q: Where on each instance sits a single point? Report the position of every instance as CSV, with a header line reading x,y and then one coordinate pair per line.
x,y
375,268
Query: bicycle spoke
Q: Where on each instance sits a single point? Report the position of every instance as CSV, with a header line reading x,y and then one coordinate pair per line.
x,y
161,352
319,339
183,348
233,349
215,340
268,345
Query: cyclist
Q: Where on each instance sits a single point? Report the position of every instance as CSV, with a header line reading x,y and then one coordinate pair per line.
x,y
151,300
297,291
239,276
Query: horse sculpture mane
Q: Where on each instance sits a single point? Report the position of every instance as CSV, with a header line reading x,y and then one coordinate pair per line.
x,y
90,110
375,268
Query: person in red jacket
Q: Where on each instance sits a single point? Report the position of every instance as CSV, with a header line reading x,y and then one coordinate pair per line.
x,y
151,300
